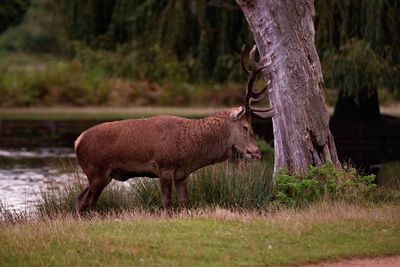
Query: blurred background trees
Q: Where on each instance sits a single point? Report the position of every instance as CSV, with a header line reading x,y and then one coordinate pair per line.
x,y
358,42
184,42
12,12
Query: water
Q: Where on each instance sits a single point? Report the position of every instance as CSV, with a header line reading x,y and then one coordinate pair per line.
x,y
26,173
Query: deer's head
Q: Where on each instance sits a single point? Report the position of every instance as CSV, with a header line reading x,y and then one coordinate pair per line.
x,y
242,132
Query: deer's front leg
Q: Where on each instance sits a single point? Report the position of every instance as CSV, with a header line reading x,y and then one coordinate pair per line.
x,y
181,191
166,180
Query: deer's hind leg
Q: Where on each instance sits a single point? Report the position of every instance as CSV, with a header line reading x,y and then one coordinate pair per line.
x,y
82,203
98,180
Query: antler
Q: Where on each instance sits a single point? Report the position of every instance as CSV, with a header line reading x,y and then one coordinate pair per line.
x,y
251,96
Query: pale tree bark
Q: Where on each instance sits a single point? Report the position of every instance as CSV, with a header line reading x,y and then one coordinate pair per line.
x,y
285,28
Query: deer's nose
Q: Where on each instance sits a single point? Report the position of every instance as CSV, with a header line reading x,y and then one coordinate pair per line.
x,y
254,153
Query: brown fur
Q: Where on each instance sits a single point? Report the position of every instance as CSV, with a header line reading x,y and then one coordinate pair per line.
x,y
166,147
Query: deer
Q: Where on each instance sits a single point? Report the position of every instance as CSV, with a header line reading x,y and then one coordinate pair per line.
x,y
167,147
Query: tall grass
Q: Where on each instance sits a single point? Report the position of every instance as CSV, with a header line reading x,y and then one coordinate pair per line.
x,y
9,216
236,186
245,185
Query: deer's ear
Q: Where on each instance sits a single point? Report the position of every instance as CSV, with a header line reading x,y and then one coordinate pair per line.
x,y
237,113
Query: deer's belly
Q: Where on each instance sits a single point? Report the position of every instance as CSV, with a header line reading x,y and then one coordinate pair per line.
x,y
126,170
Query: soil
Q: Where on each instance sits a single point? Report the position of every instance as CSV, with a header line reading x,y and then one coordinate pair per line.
x,y
389,261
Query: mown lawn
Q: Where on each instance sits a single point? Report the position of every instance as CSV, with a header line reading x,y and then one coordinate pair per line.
x,y
211,238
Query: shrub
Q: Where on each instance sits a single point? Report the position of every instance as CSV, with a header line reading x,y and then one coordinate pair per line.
x,y
325,183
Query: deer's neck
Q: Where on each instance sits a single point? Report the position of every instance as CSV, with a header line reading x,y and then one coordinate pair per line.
x,y
207,141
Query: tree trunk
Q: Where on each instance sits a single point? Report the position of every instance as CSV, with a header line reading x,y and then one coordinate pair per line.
x,y
301,123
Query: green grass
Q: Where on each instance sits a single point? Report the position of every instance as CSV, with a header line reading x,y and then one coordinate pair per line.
x,y
211,238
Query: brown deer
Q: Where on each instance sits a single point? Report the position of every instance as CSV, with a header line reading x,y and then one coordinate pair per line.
x,y
167,147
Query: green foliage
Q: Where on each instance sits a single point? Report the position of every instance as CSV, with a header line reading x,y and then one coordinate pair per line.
x,y
357,67
186,42
358,45
326,183
100,77
41,30
51,83
202,38
130,62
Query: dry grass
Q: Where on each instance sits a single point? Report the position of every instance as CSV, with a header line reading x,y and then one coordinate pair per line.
x,y
321,212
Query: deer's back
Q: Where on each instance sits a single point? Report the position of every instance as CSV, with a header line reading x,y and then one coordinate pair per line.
x,y
146,141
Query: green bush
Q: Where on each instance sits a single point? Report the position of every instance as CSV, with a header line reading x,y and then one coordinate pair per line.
x,y
41,30
326,183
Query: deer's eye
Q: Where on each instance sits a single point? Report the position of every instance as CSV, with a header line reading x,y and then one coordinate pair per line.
x,y
245,128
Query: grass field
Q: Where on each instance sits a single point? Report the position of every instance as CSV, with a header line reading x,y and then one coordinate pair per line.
x,y
205,238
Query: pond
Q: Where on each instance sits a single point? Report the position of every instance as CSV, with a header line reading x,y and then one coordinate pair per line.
x,y
24,174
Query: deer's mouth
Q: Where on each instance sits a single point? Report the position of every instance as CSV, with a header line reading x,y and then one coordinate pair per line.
x,y
253,154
